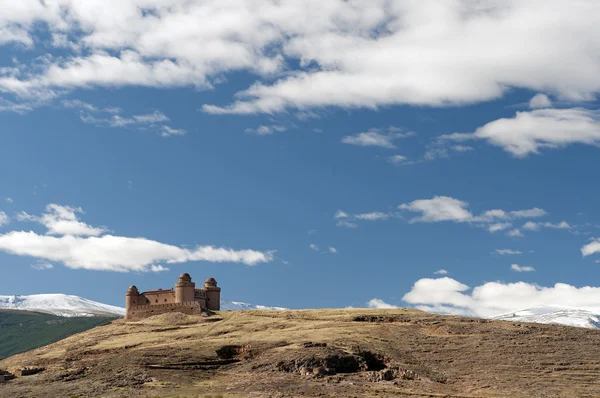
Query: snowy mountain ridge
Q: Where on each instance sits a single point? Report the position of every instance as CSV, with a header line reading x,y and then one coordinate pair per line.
x,y
72,306
554,314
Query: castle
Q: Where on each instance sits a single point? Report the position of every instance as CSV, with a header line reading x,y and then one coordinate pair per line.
x,y
184,298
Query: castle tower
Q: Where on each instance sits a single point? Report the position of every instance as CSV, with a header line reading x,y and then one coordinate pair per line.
x,y
213,295
184,288
132,299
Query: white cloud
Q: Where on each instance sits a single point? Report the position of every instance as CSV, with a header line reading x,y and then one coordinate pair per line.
x,y
377,215
341,214
518,268
4,219
398,159
84,106
117,253
379,303
9,200
528,132
591,248
158,268
499,226
266,130
540,101
446,53
81,246
375,137
42,265
515,233
63,220
536,226
167,131
505,252
352,54
332,250
441,272
450,296
313,247
440,208
346,224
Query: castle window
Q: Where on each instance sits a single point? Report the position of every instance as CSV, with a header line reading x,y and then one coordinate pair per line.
x,y
165,300
157,301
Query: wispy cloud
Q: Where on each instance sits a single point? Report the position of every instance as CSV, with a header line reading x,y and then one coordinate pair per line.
x,y
266,129
507,252
377,138
518,268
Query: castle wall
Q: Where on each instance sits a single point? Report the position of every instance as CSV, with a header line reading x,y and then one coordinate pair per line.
x,y
166,297
144,311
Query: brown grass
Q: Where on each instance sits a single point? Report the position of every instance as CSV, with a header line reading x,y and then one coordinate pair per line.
x,y
174,355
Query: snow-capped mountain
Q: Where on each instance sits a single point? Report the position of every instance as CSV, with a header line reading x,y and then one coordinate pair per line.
x,y
71,306
553,314
59,304
239,306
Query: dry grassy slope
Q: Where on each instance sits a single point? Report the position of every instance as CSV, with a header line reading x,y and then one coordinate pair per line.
x,y
174,355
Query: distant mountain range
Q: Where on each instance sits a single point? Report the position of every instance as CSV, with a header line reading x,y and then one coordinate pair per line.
x,y
74,306
553,314
60,305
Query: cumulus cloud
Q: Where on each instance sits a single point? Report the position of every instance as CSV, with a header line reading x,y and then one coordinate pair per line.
x,y
379,303
351,53
540,101
445,208
446,295
81,246
591,248
440,208
63,220
530,131
507,252
518,268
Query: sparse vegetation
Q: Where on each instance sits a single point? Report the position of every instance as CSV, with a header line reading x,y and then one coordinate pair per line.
x,y
366,353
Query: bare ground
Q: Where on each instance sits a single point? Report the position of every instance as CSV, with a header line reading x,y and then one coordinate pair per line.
x,y
314,353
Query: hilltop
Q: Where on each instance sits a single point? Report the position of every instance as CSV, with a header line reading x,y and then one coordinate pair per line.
x,y
358,352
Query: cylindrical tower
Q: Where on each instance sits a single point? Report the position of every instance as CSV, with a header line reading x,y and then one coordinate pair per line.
x,y
213,295
184,288
132,299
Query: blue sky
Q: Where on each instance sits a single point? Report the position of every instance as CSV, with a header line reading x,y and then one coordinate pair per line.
x,y
322,155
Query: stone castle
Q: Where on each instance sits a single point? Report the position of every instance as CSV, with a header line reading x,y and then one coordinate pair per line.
x,y
184,298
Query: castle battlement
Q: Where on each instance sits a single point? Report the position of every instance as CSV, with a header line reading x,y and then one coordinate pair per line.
x,y
184,298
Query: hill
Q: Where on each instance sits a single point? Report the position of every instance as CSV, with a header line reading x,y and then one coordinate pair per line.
x,y
60,304
22,331
359,353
